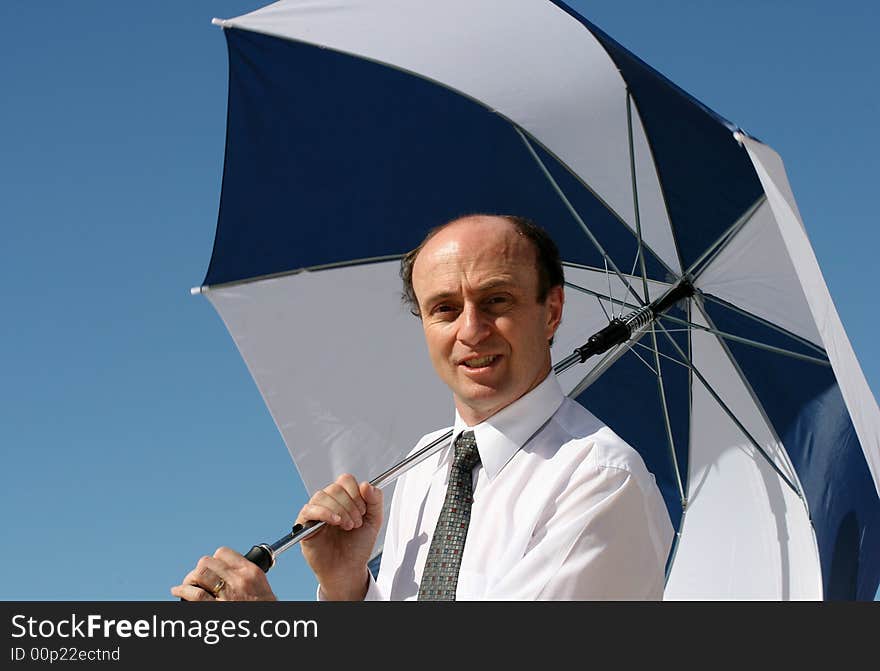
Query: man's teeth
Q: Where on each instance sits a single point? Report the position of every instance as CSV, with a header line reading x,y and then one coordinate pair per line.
x,y
479,363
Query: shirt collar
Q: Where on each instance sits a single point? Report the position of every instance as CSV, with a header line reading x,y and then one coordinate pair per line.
x,y
501,435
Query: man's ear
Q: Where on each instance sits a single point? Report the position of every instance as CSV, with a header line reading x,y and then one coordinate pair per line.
x,y
554,302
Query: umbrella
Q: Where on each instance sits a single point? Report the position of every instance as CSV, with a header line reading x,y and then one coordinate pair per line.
x,y
355,126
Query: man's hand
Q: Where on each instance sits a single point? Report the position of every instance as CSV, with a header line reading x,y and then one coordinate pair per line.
x,y
338,552
227,576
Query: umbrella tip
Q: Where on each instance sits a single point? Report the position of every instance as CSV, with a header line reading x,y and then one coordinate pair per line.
x,y
217,22
195,291
741,136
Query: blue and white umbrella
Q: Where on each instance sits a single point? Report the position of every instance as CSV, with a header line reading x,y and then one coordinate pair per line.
x,y
356,125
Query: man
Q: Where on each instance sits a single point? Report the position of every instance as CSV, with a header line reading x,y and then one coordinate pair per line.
x,y
534,499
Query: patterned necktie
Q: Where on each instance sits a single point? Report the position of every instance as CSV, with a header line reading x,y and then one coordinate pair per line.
x,y
440,577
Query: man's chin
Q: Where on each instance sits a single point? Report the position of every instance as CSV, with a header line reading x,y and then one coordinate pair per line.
x,y
480,402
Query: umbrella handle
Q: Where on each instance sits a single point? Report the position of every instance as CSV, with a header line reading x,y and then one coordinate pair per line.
x,y
262,556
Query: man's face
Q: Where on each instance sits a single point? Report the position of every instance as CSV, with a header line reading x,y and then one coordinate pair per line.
x,y
476,282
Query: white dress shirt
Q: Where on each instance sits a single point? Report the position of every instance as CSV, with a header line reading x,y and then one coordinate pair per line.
x,y
562,509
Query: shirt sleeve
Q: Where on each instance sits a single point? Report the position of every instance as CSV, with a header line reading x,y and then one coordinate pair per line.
x,y
606,538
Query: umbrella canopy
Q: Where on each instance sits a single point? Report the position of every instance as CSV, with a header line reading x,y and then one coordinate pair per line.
x,y
355,126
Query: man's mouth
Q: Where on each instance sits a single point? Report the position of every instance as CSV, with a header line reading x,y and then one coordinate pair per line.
x,y
480,362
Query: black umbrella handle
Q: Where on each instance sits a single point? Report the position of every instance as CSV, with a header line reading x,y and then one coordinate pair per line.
x,y
262,556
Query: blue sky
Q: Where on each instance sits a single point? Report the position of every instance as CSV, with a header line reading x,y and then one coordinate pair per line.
x,y
133,439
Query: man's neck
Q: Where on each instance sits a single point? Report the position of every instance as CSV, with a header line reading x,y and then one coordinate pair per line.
x,y
473,416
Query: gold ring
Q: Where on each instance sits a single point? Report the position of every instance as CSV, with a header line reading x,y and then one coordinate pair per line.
x,y
221,583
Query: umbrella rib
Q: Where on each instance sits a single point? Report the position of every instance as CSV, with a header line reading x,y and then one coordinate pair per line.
x,y
610,293
632,273
286,273
609,296
718,246
598,294
596,269
730,306
666,356
684,505
662,283
688,311
523,133
632,165
733,417
757,401
602,305
662,189
747,341
575,214
650,367
662,391
609,358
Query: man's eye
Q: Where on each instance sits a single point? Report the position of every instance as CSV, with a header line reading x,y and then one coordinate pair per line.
x,y
497,301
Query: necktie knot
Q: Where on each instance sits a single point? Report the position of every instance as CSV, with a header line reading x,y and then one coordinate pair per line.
x,y
466,454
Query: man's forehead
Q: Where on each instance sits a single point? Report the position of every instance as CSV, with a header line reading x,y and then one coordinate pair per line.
x,y
477,240
443,285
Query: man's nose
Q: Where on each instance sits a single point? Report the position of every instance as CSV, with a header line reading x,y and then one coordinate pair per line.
x,y
474,325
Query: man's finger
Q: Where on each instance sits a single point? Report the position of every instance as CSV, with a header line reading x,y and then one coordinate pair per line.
x,y
347,517
229,557
373,498
352,505
312,512
191,593
209,574
348,482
